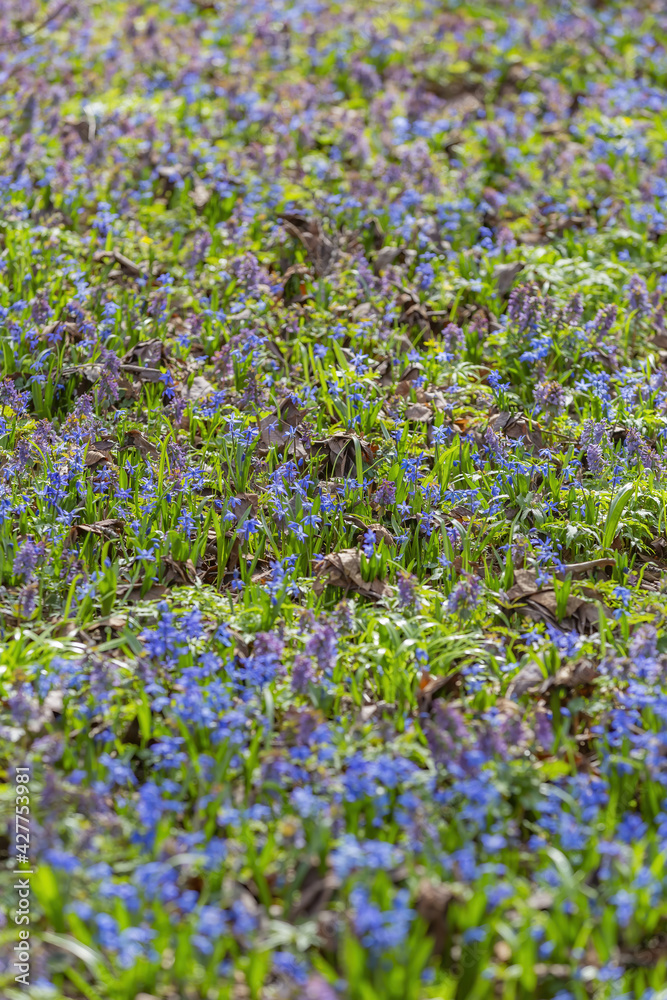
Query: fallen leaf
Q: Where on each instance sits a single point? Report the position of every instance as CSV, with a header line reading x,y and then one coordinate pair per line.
x,y
144,374
135,439
412,372
506,274
200,194
132,592
418,412
315,895
343,569
147,354
94,458
85,128
108,528
179,572
308,231
540,603
431,903
514,426
385,257
528,678
126,265
581,673
248,503
436,687
278,429
200,389
340,453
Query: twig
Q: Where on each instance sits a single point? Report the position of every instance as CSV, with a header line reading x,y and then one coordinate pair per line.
x,y
42,24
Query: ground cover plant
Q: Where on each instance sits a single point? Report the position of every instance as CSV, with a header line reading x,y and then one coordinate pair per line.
x,y
333,499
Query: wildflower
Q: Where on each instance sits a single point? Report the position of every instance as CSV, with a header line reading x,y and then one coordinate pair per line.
x,y
525,306
465,595
603,321
286,964
27,600
595,459
385,495
381,931
638,297
549,395
374,855
108,383
322,644
27,558
369,543
452,336
625,903
302,673
407,595
496,382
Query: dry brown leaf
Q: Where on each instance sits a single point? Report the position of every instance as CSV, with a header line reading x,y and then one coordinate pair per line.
x,y
278,430
309,232
94,458
147,354
132,592
343,569
418,412
431,903
436,687
179,573
528,678
385,257
135,439
340,453
200,389
315,895
540,603
578,674
127,266
107,528
412,372
514,426
505,276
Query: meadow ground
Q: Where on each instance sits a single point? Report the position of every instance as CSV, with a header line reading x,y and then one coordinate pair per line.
x,y
333,488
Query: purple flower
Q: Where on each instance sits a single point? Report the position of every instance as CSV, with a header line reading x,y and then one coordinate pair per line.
x,y
108,383
595,459
549,395
319,989
27,558
323,646
446,734
10,396
638,297
302,673
543,730
465,594
452,336
525,306
602,322
385,494
407,595
27,600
